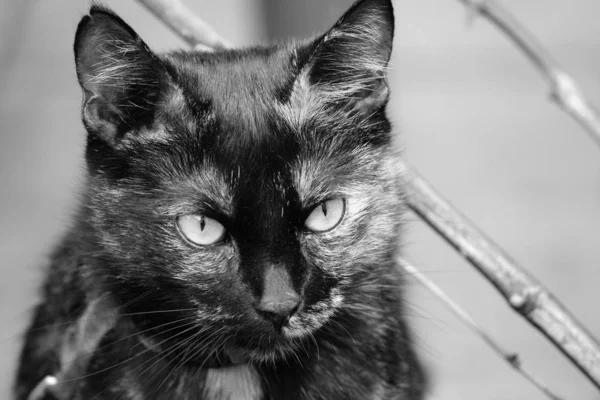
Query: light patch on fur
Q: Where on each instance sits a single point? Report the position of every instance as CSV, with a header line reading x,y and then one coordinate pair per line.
x,y
306,322
157,134
174,103
154,134
311,170
116,65
303,105
212,314
379,391
240,382
374,206
210,182
359,64
314,103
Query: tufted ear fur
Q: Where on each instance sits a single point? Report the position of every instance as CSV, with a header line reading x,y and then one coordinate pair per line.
x,y
348,64
119,75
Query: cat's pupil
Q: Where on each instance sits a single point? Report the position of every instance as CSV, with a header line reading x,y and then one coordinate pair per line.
x,y
324,208
202,223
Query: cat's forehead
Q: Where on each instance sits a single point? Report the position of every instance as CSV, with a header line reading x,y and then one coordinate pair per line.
x,y
263,133
241,87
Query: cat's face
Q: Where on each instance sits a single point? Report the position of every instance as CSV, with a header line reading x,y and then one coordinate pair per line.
x,y
254,191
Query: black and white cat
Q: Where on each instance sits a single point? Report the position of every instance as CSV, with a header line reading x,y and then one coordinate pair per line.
x,y
237,235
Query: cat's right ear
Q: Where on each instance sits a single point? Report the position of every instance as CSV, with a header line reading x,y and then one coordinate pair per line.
x,y
119,75
347,66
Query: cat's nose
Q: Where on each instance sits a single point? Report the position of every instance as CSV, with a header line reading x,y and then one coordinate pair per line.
x,y
279,300
278,312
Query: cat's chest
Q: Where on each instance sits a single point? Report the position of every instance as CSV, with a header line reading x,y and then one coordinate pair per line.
x,y
239,382
232,383
149,376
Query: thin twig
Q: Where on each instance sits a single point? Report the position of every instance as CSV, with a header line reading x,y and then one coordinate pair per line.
x,y
186,24
511,358
523,292
564,91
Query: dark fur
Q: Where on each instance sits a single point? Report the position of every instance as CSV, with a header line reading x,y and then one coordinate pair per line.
x,y
233,135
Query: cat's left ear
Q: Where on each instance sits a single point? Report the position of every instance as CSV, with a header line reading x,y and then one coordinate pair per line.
x,y
348,65
120,76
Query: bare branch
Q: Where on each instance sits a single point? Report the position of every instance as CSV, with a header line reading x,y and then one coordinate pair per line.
x,y
523,292
564,91
185,23
511,358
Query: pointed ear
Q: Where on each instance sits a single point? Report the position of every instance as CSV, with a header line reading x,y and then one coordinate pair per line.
x,y
348,64
119,75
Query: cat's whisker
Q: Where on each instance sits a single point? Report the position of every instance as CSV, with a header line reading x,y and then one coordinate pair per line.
x,y
294,354
422,313
347,331
138,298
205,344
316,344
191,321
211,339
192,352
183,357
198,348
159,311
301,344
112,366
161,355
107,368
133,335
96,318
186,356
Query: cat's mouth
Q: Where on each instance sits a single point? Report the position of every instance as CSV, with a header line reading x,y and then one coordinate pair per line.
x,y
231,356
231,353
266,347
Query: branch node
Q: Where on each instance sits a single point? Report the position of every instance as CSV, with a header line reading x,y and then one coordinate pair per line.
x,y
511,358
525,301
565,91
514,360
203,47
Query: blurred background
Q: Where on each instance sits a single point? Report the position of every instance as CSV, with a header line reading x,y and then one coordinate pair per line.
x,y
472,114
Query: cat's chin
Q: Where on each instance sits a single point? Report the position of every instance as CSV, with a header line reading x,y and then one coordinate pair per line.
x,y
279,352
276,346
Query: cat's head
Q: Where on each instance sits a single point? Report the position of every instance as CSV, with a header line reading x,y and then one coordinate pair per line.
x,y
252,190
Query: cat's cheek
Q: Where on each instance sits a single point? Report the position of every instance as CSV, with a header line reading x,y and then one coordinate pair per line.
x,y
314,316
370,229
211,314
210,262
333,251
321,253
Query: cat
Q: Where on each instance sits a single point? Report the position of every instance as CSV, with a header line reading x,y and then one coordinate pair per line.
x,y
238,230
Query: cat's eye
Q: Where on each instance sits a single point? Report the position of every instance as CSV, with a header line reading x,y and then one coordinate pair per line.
x,y
326,215
200,229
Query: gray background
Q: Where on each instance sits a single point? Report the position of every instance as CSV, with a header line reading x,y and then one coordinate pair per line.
x,y
472,114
